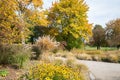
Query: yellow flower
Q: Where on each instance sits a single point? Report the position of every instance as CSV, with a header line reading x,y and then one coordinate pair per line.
x,y
47,78
49,72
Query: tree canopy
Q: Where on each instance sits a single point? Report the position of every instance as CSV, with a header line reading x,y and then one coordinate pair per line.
x,y
14,21
98,36
113,32
66,20
69,20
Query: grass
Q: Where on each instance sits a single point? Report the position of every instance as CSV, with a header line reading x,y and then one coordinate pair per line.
x,y
112,56
102,48
106,54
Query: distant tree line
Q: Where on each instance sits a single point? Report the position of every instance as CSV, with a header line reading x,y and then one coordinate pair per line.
x,y
108,36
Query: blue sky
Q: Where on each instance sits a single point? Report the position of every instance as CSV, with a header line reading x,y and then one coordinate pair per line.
x,y
100,11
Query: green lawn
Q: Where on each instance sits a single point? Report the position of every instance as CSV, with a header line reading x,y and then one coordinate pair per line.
x,y
102,48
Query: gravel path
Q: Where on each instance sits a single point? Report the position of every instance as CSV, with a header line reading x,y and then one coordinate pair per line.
x,y
102,70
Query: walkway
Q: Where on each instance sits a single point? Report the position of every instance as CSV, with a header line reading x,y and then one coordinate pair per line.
x,y
102,70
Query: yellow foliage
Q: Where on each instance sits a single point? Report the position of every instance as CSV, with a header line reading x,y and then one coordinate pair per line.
x,y
37,3
15,20
70,16
53,72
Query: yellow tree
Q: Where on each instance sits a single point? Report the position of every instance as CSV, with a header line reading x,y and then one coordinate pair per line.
x,y
16,17
27,12
69,19
40,22
9,31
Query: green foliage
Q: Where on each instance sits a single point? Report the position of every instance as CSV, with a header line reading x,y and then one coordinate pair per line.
x,y
69,23
14,54
52,72
74,43
4,73
38,31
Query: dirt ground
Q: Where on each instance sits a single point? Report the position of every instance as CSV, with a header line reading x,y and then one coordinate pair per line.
x,y
13,73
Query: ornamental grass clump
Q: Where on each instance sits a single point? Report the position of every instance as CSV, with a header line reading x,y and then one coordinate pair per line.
x,y
14,54
52,72
43,44
47,43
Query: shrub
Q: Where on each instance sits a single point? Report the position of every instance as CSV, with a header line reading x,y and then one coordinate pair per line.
x,y
62,45
58,62
73,43
114,58
52,72
77,51
94,52
81,67
47,58
119,57
70,62
64,54
96,57
36,51
105,59
84,70
110,58
14,54
83,57
45,43
3,73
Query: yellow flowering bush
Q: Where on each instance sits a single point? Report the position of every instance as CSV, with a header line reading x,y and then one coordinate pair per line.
x,y
52,72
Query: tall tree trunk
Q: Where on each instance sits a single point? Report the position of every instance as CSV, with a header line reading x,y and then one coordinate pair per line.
x,y
23,29
98,46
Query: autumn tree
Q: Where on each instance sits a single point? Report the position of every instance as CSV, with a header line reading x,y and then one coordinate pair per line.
x,y
68,18
9,30
113,32
38,31
16,20
40,26
98,36
28,15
